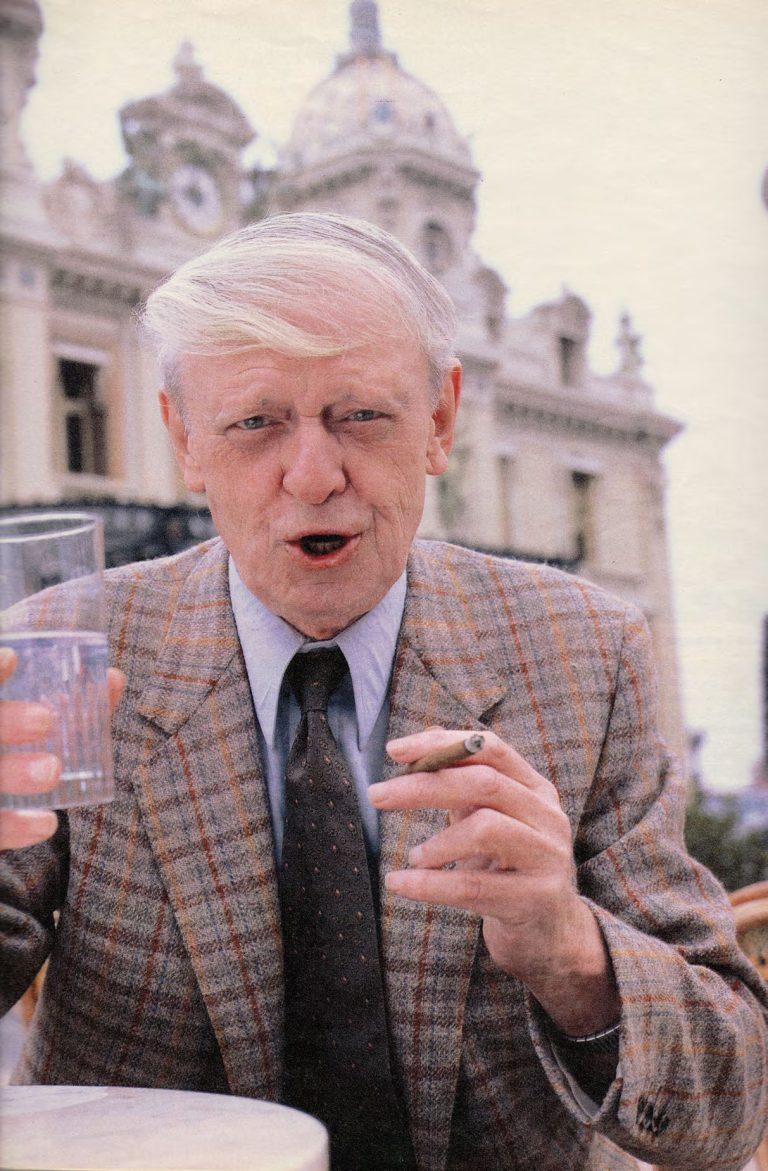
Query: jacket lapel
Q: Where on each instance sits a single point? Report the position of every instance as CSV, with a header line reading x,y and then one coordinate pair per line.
x,y
441,677
202,792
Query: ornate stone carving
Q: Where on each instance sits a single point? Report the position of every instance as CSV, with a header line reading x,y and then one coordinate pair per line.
x,y
68,281
21,24
628,344
364,35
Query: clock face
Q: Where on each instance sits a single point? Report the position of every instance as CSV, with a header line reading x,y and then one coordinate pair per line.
x,y
196,198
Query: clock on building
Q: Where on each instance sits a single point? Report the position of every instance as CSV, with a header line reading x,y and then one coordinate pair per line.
x,y
196,198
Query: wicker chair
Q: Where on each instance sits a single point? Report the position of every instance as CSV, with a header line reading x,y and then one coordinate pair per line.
x,y
750,909
28,1002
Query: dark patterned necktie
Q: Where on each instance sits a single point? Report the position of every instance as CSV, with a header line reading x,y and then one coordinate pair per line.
x,y
337,1058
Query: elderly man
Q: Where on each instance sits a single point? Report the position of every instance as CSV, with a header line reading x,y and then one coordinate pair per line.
x,y
509,962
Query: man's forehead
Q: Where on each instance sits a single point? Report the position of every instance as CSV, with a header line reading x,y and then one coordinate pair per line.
x,y
355,358
257,378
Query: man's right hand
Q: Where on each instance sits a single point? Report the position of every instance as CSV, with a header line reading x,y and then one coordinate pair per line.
x,y
31,771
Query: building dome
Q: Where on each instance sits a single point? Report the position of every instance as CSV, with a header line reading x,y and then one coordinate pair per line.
x,y
370,102
194,103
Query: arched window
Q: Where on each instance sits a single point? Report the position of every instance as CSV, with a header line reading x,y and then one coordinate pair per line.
x,y
84,416
582,506
569,352
436,246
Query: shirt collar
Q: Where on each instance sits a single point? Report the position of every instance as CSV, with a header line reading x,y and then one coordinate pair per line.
x,y
269,643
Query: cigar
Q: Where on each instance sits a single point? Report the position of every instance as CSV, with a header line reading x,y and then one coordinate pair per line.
x,y
441,757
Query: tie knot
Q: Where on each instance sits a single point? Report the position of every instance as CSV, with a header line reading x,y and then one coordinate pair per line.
x,y
314,676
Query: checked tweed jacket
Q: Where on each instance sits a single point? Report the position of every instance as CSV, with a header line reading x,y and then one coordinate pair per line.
x,y
165,965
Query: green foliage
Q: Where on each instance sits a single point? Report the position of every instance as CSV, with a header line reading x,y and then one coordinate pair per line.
x,y
736,856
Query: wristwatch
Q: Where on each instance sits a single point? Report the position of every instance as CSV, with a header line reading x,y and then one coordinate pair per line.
x,y
603,1041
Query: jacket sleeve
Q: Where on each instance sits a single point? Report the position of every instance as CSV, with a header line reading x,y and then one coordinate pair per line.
x,y
691,1090
33,884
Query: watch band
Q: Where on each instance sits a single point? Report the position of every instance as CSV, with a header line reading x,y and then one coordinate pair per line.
x,y
602,1041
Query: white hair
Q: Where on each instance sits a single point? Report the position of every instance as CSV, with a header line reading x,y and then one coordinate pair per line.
x,y
253,289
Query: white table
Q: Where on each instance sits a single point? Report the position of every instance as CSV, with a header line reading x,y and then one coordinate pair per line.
x,y
112,1128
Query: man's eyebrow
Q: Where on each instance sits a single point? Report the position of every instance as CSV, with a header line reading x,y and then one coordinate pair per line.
x,y
263,404
385,401
243,402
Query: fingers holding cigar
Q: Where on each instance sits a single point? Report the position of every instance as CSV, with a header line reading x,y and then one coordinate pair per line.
x,y
463,772
503,852
504,818
425,759
447,754
454,754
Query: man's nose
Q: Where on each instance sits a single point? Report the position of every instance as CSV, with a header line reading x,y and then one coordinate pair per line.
x,y
313,466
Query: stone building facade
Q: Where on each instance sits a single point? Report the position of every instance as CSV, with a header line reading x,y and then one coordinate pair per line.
x,y
553,461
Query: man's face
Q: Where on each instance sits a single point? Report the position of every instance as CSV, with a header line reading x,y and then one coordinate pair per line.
x,y
314,469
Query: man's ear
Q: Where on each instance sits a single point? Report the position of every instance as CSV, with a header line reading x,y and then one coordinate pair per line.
x,y
443,424
177,429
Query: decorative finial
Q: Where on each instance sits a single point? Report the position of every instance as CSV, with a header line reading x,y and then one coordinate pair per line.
x,y
628,344
364,35
186,67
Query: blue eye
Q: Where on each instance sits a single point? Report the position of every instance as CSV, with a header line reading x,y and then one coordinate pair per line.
x,y
363,416
253,423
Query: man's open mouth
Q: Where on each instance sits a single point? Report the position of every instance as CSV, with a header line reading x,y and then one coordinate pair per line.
x,y
320,544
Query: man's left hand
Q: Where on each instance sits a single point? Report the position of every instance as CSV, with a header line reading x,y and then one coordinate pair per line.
x,y
506,855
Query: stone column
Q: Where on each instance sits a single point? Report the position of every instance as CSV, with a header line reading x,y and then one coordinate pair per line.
x,y
28,438
659,587
477,436
150,463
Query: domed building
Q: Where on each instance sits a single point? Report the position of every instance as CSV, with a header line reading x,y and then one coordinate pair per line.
x,y
553,461
370,102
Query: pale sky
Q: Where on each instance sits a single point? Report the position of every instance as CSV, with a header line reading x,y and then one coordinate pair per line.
x,y
622,145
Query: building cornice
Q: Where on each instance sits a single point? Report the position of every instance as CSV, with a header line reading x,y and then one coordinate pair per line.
x,y
325,182
86,276
419,166
428,176
88,284
606,420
